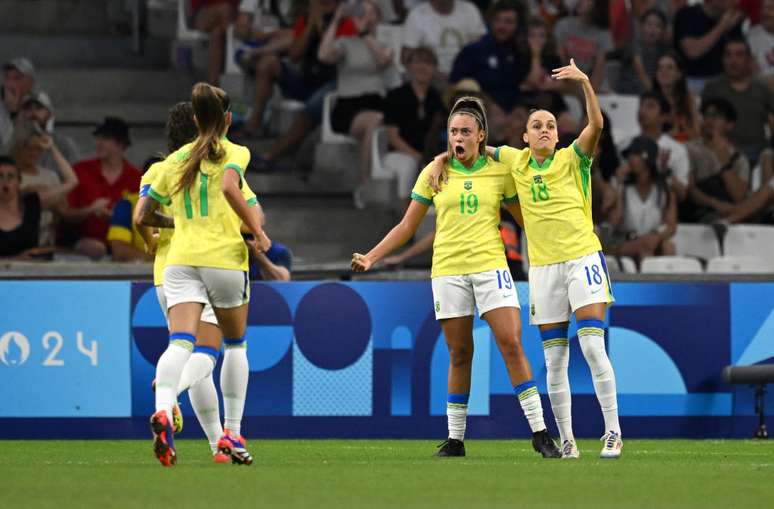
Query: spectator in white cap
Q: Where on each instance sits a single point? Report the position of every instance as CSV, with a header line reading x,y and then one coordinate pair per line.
x,y
18,81
37,107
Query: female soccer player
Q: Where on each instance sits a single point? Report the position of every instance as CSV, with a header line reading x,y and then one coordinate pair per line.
x,y
469,270
197,373
567,270
206,262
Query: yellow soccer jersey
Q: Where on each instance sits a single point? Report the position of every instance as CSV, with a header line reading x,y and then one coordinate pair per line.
x,y
467,237
207,231
165,234
555,200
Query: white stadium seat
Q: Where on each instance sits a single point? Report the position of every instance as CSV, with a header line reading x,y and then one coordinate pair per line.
x,y
670,265
184,33
749,240
622,111
697,240
740,265
622,264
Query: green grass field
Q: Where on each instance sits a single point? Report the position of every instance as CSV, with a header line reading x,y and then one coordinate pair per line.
x,y
387,474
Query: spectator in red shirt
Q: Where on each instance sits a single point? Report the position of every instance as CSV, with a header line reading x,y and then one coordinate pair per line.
x,y
102,182
214,17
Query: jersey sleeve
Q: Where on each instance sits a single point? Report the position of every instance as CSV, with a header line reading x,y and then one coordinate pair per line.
x,y
422,191
510,156
509,191
238,161
249,195
121,222
584,161
148,177
159,189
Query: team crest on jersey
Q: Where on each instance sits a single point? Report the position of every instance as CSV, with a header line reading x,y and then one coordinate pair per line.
x,y
532,309
537,179
468,185
437,306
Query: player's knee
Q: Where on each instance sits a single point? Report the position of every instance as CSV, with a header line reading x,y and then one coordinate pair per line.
x,y
460,356
593,353
510,346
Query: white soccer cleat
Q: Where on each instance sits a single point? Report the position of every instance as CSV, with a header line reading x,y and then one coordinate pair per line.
x,y
613,445
570,450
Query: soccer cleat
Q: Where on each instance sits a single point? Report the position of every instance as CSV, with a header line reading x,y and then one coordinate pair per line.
x,y
177,415
570,450
451,447
613,445
234,447
544,444
219,457
163,441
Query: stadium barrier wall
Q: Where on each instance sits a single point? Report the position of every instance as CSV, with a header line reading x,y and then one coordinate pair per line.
x,y
367,359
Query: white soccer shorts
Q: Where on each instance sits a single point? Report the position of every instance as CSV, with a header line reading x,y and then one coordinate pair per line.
x,y
456,296
558,290
223,288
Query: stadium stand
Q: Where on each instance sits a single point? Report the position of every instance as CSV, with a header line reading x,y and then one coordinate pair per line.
x,y
670,265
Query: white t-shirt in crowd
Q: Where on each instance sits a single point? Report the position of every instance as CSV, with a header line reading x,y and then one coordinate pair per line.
x,y
762,45
445,34
642,216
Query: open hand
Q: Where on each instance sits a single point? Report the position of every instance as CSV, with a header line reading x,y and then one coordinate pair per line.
x,y
569,72
438,172
101,207
360,263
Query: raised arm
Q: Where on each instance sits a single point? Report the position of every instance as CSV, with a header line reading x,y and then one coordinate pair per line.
x,y
398,236
52,195
329,52
589,136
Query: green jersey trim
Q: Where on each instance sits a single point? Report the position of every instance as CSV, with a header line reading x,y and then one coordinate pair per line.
x,y
496,155
511,199
164,200
252,202
546,163
585,168
458,166
421,199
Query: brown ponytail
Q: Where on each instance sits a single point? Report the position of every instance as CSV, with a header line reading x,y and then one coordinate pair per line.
x,y
210,105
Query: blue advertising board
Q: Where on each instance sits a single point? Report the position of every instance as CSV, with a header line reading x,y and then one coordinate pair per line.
x,y
64,349
369,359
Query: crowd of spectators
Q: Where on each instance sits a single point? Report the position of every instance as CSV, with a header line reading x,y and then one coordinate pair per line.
x,y
703,74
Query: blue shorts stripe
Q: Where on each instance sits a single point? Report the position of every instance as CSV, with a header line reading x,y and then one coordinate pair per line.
x,y
459,399
234,341
182,336
599,324
607,273
560,333
529,384
207,350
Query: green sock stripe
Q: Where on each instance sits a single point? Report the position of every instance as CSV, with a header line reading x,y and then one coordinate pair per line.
x,y
591,331
456,405
183,343
532,391
555,342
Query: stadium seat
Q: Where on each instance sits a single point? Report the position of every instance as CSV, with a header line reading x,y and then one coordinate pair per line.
x,y
740,265
328,135
697,240
184,32
231,66
622,110
628,266
670,265
748,240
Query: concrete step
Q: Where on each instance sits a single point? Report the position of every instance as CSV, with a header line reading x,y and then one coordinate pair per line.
x,y
63,16
82,87
90,50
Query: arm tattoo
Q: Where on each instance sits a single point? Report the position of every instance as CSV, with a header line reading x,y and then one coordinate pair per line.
x,y
150,216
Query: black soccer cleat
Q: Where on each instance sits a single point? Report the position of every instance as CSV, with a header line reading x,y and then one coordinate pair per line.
x,y
544,444
451,447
